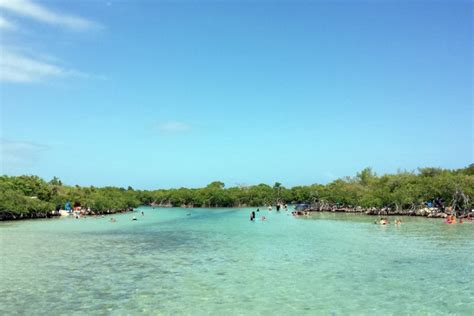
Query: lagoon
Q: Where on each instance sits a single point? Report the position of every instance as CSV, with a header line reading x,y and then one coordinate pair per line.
x,y
216,262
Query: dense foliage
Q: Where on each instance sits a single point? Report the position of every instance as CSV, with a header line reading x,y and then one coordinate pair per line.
x,y
31,194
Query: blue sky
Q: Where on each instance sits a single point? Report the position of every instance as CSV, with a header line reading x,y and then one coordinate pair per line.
x,y
157,94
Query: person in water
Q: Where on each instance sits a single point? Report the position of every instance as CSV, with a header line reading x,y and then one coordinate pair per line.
x,y
451,219
143,214
264,218
252,215
258,210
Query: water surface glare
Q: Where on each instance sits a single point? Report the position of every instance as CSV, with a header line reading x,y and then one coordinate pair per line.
x,y
217,262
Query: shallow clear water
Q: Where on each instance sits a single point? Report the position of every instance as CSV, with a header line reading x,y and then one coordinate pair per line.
x,y
217,262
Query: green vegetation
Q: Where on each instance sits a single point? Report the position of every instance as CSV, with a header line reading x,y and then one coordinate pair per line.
x,y
31,195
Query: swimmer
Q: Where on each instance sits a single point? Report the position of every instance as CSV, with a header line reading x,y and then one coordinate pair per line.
x,y
270,208
258,210
450,220
143,214
134,218
264,218
383,221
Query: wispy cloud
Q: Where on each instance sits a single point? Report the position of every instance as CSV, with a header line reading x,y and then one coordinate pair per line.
x,y
17,154
172,127
6,25
40,13
20,68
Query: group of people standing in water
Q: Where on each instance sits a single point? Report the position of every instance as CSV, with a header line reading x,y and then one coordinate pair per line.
x,y
278,207
451,219
270,208
385,221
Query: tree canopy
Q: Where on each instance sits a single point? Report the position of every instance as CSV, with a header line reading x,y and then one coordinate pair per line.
x,y
403,190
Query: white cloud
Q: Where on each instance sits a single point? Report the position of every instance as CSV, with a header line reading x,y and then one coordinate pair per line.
x,y
20,68
173,127
37,12
6,25
14,154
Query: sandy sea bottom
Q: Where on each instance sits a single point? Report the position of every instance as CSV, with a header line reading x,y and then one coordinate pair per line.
x,y
217,262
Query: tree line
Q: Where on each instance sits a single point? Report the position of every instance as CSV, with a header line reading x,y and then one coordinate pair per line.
x,y
403,190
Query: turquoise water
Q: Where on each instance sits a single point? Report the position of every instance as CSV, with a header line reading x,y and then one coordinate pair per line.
x,y
217,262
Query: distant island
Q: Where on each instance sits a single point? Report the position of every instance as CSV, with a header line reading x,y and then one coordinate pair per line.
x,y
425,192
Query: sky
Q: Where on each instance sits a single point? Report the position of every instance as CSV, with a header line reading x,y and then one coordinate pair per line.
x,y
161,94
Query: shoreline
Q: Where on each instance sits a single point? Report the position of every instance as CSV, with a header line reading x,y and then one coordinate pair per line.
x,y
428,212
423,212
4,217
